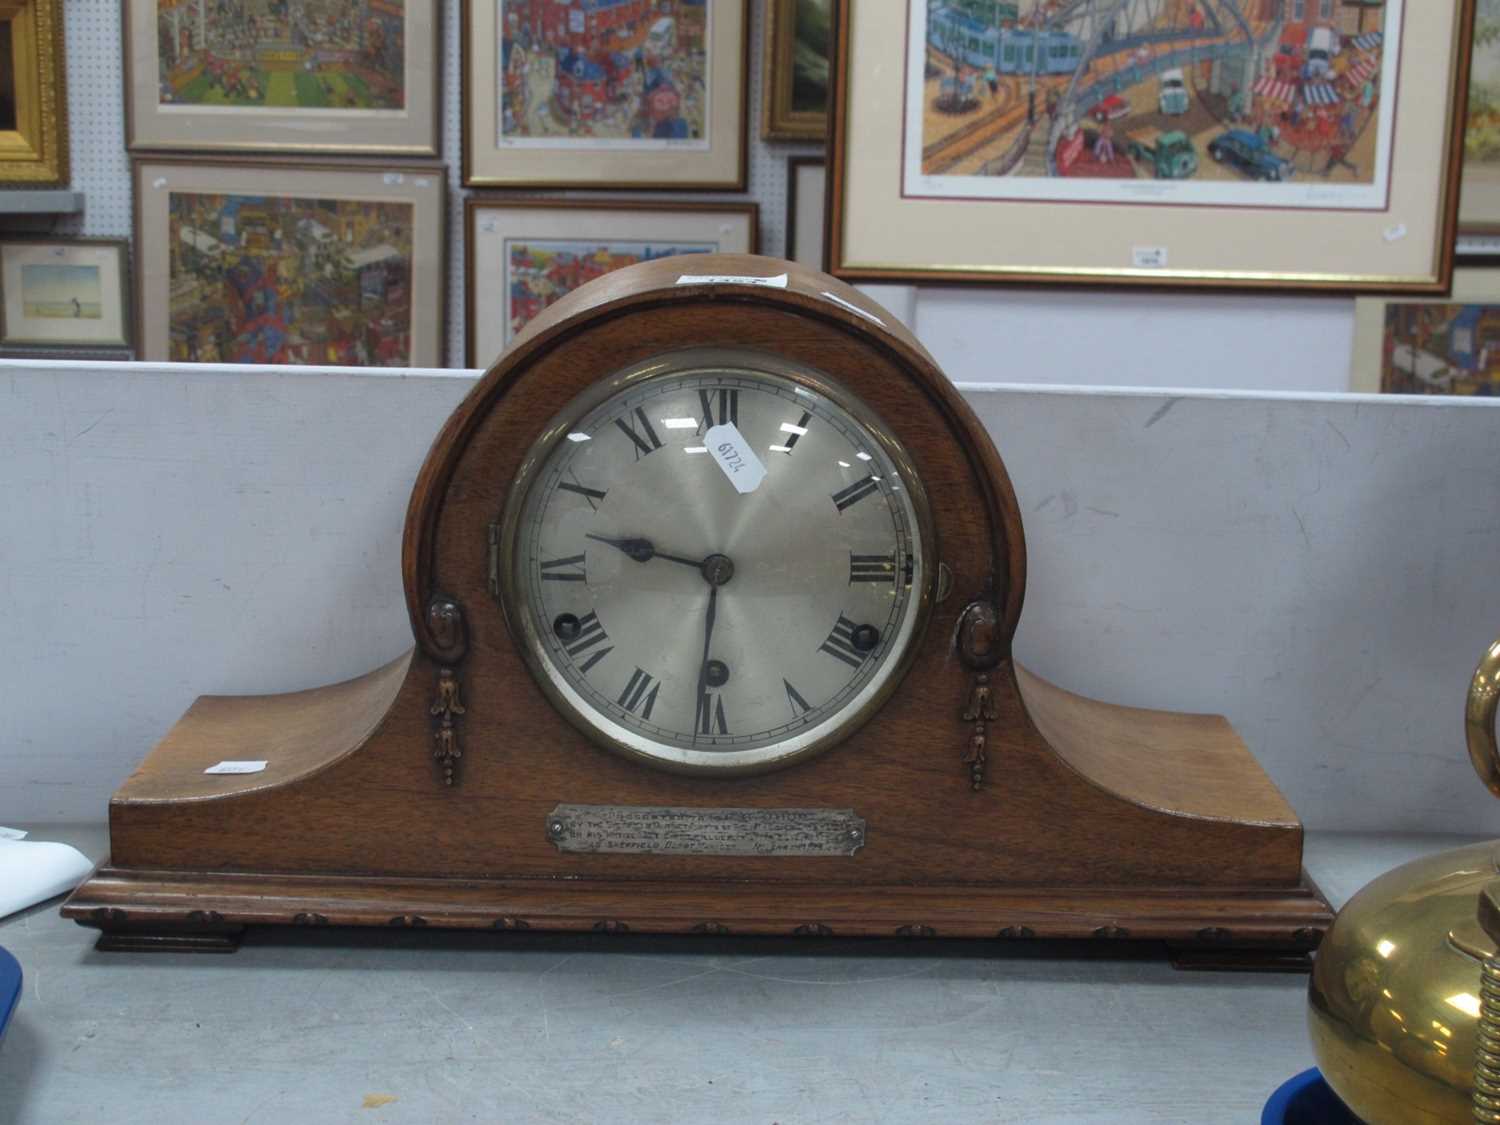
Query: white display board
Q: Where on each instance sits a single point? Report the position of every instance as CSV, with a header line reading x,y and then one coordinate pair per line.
x,y
1321,569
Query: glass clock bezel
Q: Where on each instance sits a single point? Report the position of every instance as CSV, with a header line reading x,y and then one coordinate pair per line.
x,y
524,624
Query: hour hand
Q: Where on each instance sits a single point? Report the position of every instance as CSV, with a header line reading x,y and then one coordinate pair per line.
x,y
642,550
636,548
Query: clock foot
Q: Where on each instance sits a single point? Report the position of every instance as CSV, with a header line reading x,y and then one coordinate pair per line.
x,y
224,940
1244,960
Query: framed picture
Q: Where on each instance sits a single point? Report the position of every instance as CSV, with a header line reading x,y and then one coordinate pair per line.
x,y
796,71
282,262
64,294
610,93
530,253
1479,203
1446,345
1266,143
33,95
806,177
335,76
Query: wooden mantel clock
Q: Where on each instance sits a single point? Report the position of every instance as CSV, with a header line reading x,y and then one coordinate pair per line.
x,y
713,579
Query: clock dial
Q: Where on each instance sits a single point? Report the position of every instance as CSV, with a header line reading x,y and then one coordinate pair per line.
x,y
717,561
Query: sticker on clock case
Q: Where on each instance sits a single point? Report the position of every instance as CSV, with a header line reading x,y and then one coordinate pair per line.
x,y
777,282
732,453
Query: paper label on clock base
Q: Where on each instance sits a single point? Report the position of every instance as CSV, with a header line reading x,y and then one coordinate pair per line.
x,y
667,830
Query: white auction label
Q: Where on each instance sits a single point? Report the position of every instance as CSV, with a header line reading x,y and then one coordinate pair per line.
x,y
236,767
777,282
732,453
1148,257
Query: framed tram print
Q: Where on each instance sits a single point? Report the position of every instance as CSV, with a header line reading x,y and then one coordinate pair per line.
x,y
628,93
64,295
530,253
337,76
1310,143
241,262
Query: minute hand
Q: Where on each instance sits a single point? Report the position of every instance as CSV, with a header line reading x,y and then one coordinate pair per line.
x,y
642,550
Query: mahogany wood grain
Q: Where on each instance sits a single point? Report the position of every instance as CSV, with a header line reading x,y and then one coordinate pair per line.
x,y
1092,818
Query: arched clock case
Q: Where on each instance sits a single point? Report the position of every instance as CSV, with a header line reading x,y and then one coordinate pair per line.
x,y
713,578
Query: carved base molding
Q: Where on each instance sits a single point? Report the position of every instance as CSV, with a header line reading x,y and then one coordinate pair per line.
x,y
1236,927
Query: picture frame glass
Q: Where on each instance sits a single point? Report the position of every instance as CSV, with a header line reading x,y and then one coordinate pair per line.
x,y
629,92
797,71
1197,150
325,265
534,255
1446,345
1479,206
336,76
64,294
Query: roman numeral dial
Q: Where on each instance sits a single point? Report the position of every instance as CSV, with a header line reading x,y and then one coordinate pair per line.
x,y
676,613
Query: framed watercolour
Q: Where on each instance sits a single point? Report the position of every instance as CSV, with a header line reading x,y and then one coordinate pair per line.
x,y
64,294
806,179
532,252
335,76
609,93
1447,345
33,95
795,82
1253,143
281,262
1479,204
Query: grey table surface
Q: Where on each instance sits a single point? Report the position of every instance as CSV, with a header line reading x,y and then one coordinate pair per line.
x,y
433,1027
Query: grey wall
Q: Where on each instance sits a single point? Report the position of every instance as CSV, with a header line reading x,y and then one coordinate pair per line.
x,y
1321,569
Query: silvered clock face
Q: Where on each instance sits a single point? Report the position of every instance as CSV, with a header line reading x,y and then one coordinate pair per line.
x,y
717,561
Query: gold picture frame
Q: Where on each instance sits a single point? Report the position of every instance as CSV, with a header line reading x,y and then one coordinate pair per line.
x,y
789,111
958,158
34,127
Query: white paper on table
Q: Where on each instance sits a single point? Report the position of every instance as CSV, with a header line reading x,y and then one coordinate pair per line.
x,y
32,871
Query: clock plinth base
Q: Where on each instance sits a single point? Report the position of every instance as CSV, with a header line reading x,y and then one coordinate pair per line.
x,y
1225,927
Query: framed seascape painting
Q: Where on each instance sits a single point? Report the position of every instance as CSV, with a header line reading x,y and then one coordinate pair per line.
x,y
526,254
67,295
1248,143
279,262
605,93
1446,345
1479,205
795,82
326,76
33,94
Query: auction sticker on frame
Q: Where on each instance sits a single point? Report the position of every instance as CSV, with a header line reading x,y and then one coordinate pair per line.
x,y
290,263
528,254
629,92
335,76
1225,142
